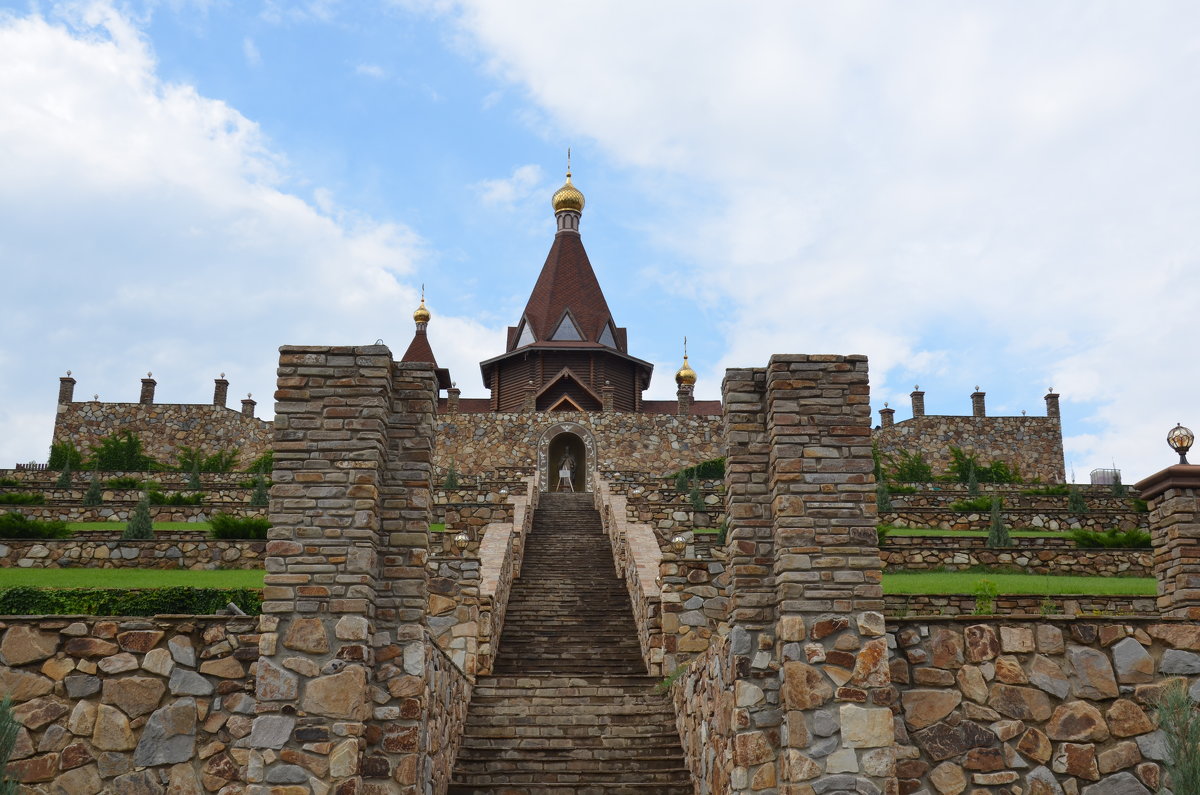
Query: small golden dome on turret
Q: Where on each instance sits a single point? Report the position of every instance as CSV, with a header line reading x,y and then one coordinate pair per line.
x,y
685,374
422,314
567,197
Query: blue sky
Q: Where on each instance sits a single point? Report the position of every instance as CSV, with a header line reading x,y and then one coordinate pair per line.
x,y
969,193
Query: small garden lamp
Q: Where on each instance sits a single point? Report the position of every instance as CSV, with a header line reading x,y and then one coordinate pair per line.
x,y
1180,439
461,541
679,544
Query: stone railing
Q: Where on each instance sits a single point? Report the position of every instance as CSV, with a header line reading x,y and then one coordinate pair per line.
x,y
1020,605
637,556
1046,705
131,704
694,606
501,553
75,512
705,701
197,552
1071,560
1018,518
449,691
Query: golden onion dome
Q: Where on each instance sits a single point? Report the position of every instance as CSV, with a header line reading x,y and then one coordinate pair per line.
x,y
685,374
567,197
422,314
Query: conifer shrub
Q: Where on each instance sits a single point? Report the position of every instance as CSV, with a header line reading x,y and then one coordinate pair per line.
x,y
972,505
64,477
63,454
905,467
1179,721
193,481
998,535
10,483
260,498
93,496
1111,539
140,526
263,465
16,525
1118,488
9,730
1075,501
158,498
451,477
227,527
883,497
125,482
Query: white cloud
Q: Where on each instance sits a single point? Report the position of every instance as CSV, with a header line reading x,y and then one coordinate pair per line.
x,y
523,183
250,52
146,227
370,70
999,194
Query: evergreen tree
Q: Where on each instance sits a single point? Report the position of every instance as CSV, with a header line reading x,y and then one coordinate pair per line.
x,y
972,480
696,498
998,535
451,477
259,499
194,475
93,496
1118,488
141,526
1180,724
1075,502
883,497
64,477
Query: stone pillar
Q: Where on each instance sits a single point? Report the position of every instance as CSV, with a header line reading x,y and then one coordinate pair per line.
x,y
806,601
148,384
887,416
1174,497
220,391
343,652
66,389
977,407
452,395
248,404
684,397
529,403
1052,406
828,580
606,396
918,402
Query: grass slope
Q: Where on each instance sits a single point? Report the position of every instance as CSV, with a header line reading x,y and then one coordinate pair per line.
x,y
131,578
964,582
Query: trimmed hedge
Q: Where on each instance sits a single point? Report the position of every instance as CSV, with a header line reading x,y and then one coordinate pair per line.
x,y
23,600
229,527
1111,539
705,470
15,525
158,498
22,498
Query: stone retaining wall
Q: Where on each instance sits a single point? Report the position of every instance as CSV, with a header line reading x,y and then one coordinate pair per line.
x,y
195,553
1020,605
163,428
1047,706
133,705
48,479
704,697
1017,518
1096,499
1031,444
657,443
56,495
121,513
1083,562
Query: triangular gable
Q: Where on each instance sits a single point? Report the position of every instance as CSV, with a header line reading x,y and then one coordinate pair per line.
x,y
565,404
525,334
606,336
566,372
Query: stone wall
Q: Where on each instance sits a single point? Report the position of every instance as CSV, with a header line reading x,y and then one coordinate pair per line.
x,y
933,554
132,705
941,495
904,605
163,428
120,512
1014,518
656,443
1046,706
1032,444
704,708
47,479
192,553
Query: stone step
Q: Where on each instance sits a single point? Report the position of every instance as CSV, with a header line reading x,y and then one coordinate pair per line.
x,y
566,760
580,788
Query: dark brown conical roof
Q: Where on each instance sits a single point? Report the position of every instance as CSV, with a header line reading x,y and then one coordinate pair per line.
x,y
567,284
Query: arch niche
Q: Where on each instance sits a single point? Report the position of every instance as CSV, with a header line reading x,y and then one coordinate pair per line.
x,y
557,441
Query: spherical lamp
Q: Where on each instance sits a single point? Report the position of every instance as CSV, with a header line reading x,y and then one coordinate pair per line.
x,y
1180,439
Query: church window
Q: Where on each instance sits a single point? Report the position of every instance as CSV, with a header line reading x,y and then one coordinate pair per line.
x,y
566,330
606,336
526,335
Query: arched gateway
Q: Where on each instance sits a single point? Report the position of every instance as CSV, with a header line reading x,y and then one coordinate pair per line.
x,y
567,445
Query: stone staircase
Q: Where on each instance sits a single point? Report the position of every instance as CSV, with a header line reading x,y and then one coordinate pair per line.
x,y
569,707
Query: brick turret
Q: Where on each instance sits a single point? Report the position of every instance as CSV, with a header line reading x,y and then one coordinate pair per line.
x,y
220,391
66,389
148,385
977,406
918,402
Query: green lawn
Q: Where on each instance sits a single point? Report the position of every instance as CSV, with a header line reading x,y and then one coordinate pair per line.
x,y
931,531
947,582
120,525
130,578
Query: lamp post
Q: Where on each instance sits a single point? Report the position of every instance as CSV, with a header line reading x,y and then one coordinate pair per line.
x,y
1180,439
